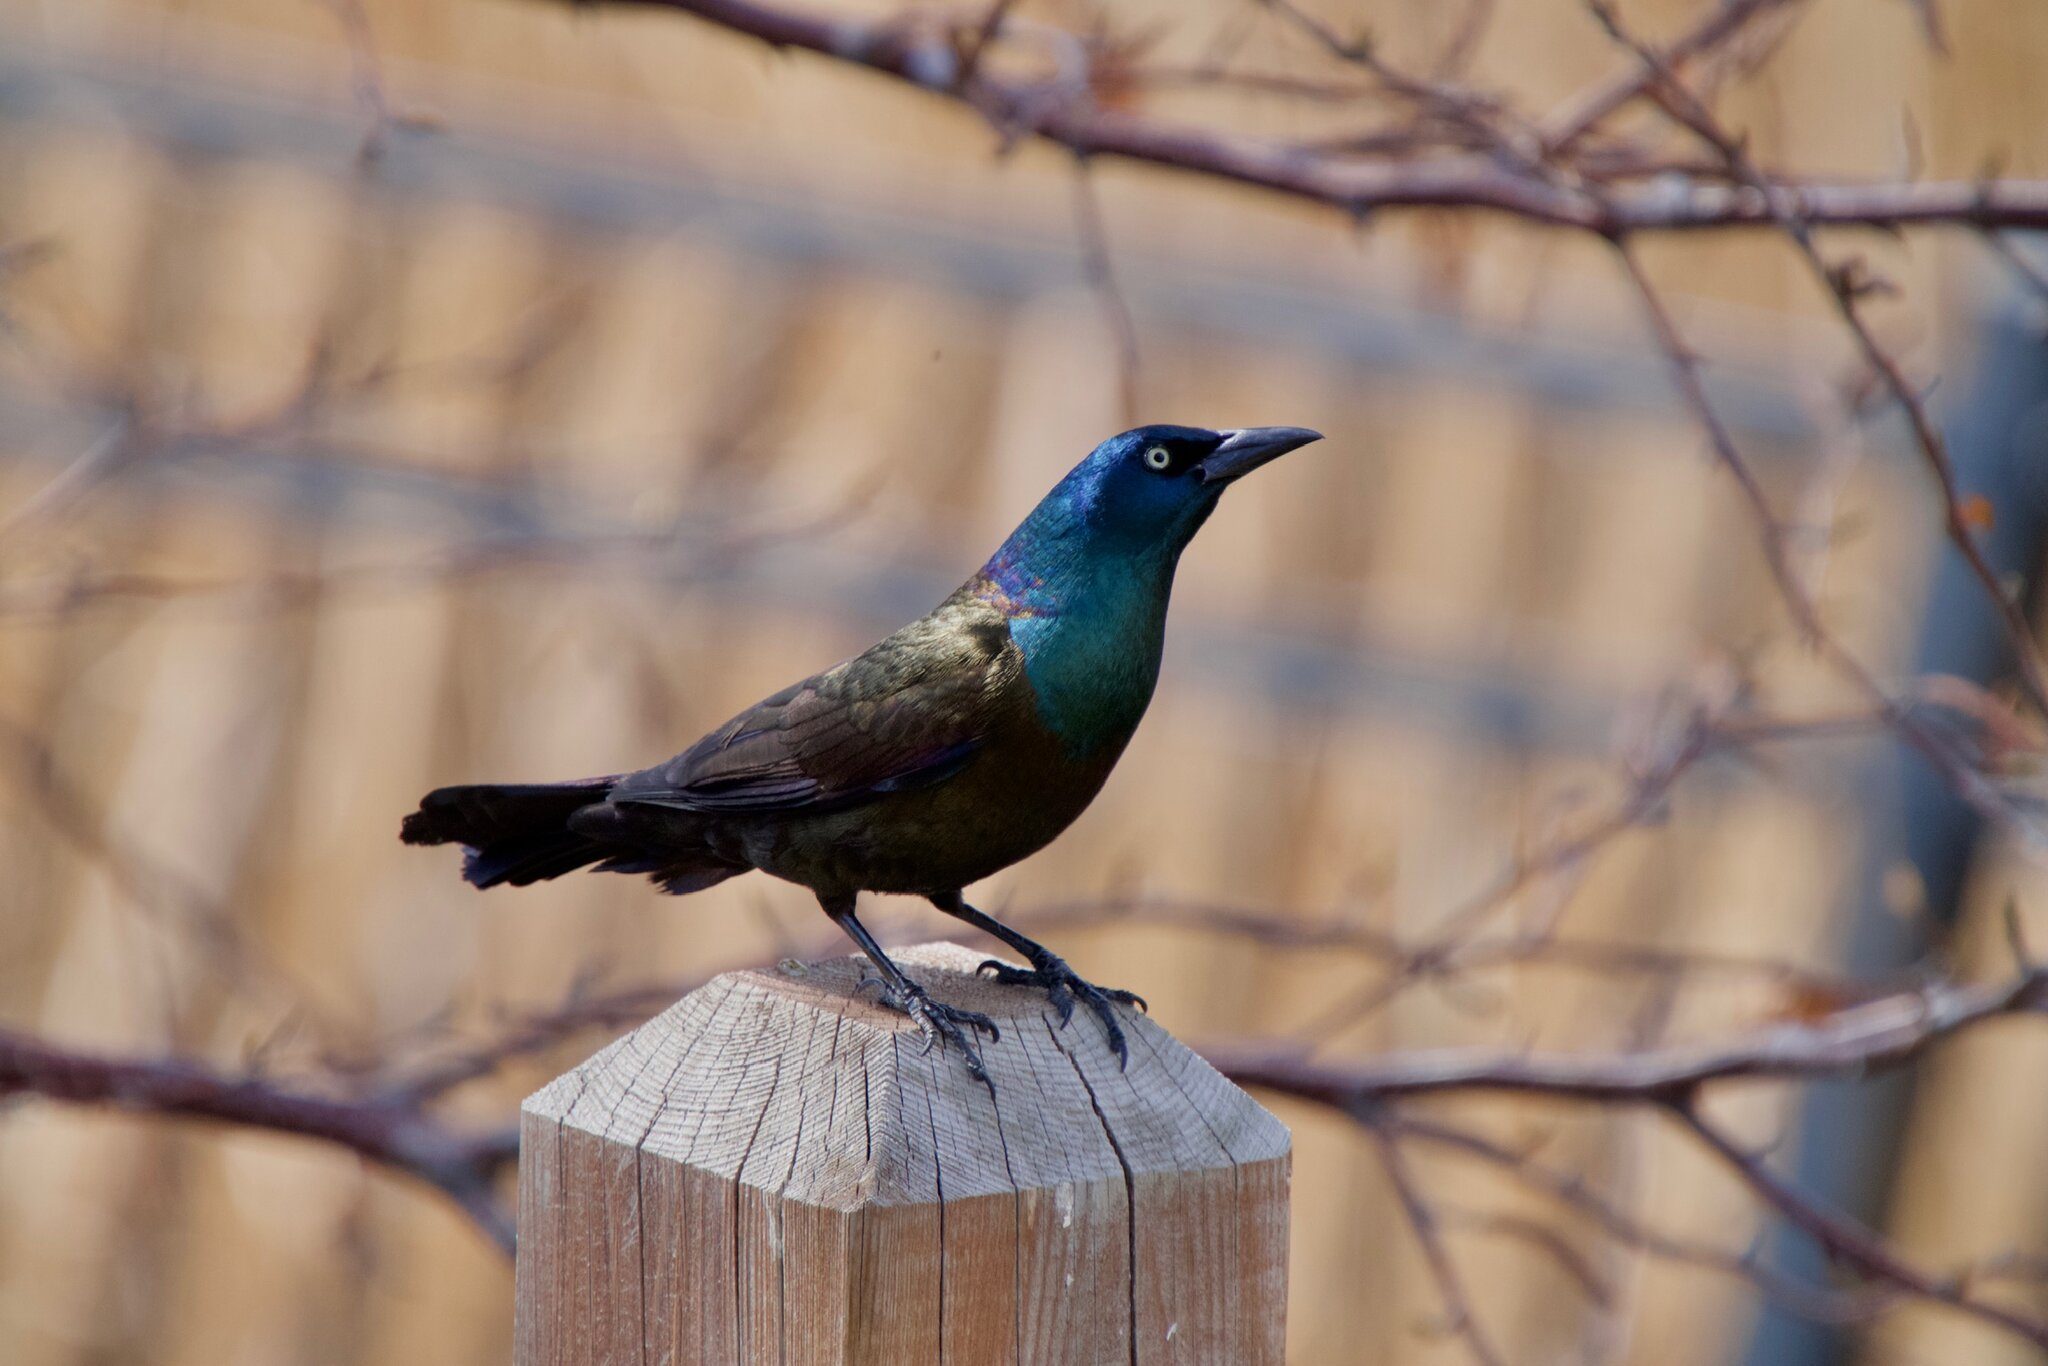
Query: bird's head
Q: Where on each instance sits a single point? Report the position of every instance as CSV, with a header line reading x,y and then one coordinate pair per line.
x,y
1157,485
1085,579
1124,514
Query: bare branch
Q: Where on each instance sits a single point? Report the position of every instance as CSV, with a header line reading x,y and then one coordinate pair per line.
x,y
1586,111
1849,1242
1865,1037
1685,374
1572,1192
1450,1284
1101,268
916,49
1846,286
1956,768
1873,1036
2025,268
393,1133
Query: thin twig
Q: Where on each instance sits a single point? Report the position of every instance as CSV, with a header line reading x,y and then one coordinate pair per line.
x,y
1586,111
1101,270
1572,1192
1443,1268
1849,1242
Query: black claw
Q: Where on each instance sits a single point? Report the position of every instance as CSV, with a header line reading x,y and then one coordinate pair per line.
x,y
939,1023
1062,986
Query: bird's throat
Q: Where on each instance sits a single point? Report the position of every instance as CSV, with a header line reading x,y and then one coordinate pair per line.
x,y
1091,631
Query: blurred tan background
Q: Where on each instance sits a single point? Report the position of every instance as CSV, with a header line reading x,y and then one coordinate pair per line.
x,y
634,369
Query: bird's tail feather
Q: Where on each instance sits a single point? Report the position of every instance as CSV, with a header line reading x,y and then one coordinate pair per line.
x,y
655,842
513,832
521,833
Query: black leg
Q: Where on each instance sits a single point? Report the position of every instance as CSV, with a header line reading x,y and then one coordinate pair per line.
x,y
939,1023
1048,970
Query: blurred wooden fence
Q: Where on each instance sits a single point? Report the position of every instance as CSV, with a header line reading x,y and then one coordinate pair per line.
x,y
479,459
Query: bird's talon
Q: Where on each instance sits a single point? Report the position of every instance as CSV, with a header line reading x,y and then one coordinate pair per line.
x,y
941,1024
997,970
1062,986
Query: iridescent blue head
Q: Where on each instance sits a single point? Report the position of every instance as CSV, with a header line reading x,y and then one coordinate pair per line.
x,y
1136,500
1085,579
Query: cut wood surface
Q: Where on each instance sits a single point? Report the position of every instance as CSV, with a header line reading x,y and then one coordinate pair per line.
x,y
776,1169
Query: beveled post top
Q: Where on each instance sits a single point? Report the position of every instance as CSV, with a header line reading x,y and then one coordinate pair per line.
x,y
793,1079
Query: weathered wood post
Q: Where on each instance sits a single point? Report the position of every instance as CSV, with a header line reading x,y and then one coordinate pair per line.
x,y
774,1170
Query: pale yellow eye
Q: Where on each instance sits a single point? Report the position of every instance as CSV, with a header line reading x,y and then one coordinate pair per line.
x,y
1158,457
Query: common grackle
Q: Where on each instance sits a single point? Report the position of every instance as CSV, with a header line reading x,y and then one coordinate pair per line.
x,y
952,749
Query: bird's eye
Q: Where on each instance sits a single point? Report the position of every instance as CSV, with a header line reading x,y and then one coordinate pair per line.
x,y
1158,457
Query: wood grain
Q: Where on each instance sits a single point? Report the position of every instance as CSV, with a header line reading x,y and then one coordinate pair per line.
x,y
775,1169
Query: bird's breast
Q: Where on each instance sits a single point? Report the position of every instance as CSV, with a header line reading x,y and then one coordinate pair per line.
x,y
1090,674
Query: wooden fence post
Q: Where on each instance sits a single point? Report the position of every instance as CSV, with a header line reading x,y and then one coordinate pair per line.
x,y
774,1170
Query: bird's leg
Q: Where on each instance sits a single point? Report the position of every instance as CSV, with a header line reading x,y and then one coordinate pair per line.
x,y
938,1022
1048,970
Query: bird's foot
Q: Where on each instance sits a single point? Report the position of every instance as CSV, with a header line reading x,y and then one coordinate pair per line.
x,y
1063,986
940,1023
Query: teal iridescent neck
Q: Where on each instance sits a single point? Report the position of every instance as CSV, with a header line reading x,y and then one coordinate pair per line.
x,y
1086,593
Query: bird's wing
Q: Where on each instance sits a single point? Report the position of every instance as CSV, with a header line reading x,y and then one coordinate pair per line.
x,y
910,711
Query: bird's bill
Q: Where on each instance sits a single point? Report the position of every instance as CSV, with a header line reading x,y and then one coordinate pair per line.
x,y
1247,448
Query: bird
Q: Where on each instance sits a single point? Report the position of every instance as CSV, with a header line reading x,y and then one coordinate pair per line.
x,y
948,751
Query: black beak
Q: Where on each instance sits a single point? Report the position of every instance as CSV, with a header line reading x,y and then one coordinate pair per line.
x,y
1248,448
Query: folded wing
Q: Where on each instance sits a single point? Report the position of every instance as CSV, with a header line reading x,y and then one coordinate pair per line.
x,y
911,711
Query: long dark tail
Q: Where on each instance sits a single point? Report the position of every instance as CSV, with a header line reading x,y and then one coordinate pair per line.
x,y
515,832
529,832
